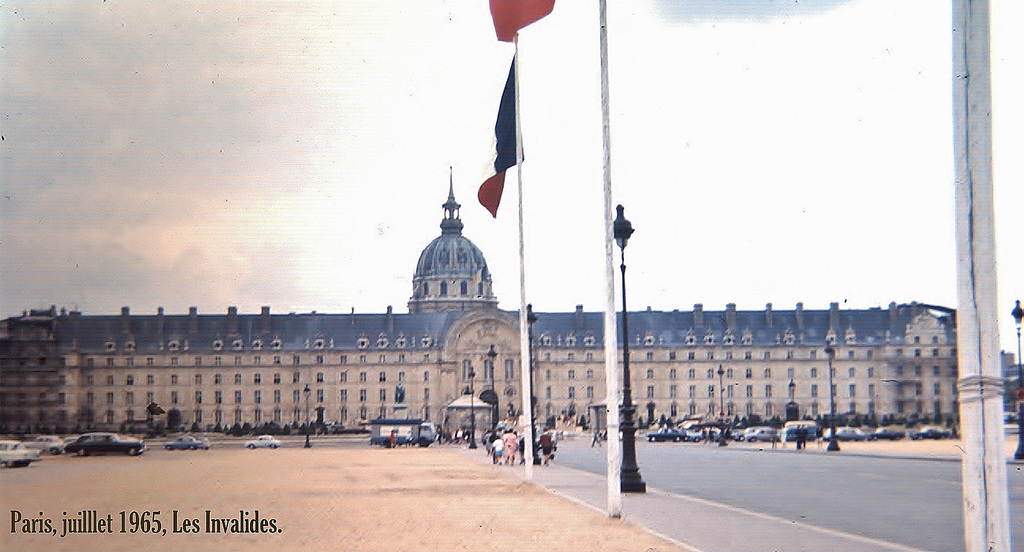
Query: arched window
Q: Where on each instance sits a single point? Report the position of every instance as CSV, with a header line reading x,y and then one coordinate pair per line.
x,y
464,288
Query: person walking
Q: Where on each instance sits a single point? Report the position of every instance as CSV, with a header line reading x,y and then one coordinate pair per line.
x,y
547,446
496,449
511,443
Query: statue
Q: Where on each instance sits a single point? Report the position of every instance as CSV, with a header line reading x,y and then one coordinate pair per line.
x,y
399,394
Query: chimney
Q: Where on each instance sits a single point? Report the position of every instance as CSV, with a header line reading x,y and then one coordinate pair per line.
x,y
232,320
768,318
126,326
833,316
698,315
264,319
893,314
193,320
389,319
730,316
160,322
799,316
580,323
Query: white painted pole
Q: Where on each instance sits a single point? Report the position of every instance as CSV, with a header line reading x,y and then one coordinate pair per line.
x,y
986,502
611,340
524,339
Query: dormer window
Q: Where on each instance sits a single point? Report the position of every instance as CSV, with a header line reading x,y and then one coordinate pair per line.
x,y
748,338
319,343
257,344
362,342
401,342
649,339
276,344
218,344
129,346
691,339
426,341
111,346
236,344
709,338
729,339
173,345
545,340
570,340
382,341
851,336
589,340
790,338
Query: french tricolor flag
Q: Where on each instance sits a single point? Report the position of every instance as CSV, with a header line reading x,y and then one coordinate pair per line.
x,y
509,16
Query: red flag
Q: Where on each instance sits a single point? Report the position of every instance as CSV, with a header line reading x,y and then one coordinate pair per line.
x,y
511,15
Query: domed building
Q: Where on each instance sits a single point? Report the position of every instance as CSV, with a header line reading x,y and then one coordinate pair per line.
x,y
451,273
70,372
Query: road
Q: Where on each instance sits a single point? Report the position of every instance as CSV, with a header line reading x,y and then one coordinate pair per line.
x,y
916,503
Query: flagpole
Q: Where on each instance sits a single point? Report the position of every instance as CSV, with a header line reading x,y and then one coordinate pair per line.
x,y
980,388
611,340
524,337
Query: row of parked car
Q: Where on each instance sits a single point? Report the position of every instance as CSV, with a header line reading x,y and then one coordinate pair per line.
x,y
789,433
22,453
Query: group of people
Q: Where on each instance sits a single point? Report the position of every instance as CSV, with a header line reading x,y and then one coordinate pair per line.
x,y
507,447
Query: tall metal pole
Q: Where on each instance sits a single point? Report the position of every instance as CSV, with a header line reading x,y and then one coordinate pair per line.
x,y
1018,317
472,409
531,319
610,335
631,482
306,392
980,389
833,443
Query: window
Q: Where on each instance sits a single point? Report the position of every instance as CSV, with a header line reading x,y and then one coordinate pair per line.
x,y
671,373
853,390
319,377
343,377
199,397
295,395
871,372
383,377
238,397
174,379
691,373
344,395
277,377
750,391
277,395
814,372
650,374
768,391
257,396
572,374
319,359
362,395
218,397
711,391
216,379
362,377
749,373
129,380
238,379
852,372
319,395
256,378
767,373
296,376
650,392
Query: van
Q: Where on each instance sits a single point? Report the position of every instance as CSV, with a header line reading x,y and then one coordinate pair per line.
x,y
789,431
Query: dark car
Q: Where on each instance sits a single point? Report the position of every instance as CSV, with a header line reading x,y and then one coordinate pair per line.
x,y
887,433
930,433
187,442
665,434
105,443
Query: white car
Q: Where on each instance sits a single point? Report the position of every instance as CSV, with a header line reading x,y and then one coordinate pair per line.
x,y
50,444
263,441
14,455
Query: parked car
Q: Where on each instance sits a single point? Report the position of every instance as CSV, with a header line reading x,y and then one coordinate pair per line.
x,y
889,433
13,454
102,442
760,434
851,434
665,434
187,442
930,433
263,441
50,444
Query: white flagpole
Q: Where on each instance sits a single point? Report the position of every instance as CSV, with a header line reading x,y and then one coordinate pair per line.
x,y
985,492
611,349
524,338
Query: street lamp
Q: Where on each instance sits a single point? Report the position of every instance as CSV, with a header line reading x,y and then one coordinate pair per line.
x,y
531,319
491,356
630,480
721,406
472,410
306,392
1018,315
833,443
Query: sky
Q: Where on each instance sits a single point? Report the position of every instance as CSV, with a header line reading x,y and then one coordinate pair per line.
x,y
296,155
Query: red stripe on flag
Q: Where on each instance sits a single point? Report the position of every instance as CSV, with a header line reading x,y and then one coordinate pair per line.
x,y
489,193
511,15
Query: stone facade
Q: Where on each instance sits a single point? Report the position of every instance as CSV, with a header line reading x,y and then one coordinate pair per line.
x,y
67,371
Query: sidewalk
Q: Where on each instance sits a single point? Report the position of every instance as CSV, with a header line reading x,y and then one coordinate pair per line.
x,y
698,525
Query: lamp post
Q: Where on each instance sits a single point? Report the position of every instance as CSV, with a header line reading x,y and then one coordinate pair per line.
x,y
1018,315
306,392
531,319
472,410
833,443
630,480
491,356
721,406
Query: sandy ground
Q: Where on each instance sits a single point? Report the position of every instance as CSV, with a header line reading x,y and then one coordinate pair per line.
x,y
348,497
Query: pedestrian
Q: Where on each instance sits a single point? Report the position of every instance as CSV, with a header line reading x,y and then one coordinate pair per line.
x,y
547,446
801,438
393,438
496,449
511,442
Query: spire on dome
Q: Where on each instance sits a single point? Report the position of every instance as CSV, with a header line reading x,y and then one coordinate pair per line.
x,y
451,224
